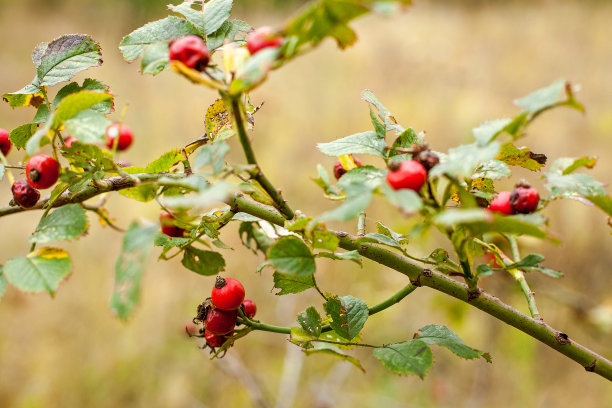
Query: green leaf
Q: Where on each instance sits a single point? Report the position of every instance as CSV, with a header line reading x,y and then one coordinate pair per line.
x,y
20,135
480,221
489,130
249,231
331,192
461,161
603,202
568,165
3,283
169,28
549,272
303,339
558,94
216,12
289,284
492,169
364,143
405,141
522,157
66,222
529,261
310,320
207,263
383,113
332,350
164,162
443,336
229,30
155,58
323,239
213,155
29,95
77,102
88,126
255,70
342,256
405,199
88,85
42,270
137,243
573,184
290,255
350,209
192,15
66,56
39,138
145,192
348,314
411,357
368,176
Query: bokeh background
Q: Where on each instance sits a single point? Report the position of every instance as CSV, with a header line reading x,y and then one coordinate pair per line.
x,y
443,67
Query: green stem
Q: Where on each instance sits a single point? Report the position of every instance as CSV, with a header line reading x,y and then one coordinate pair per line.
x,y
264,327
361,224
275,194
519,276
395,298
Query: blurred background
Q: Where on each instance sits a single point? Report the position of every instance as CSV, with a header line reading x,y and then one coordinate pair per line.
x,y
442,67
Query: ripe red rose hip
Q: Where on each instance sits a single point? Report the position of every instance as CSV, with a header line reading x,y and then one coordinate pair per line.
x,y
167,225
227,294
263,37
24,194
501,203
214,340
340,171
220,322
5,143
126,137
524,199
407,174
42,171
249,308
191,51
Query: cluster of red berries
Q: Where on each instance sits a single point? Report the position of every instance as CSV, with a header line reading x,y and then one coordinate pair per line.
x,y
523,199
219,312
42,171
412,174
193,52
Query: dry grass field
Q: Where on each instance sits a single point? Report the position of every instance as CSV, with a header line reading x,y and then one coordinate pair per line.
x,y
442,67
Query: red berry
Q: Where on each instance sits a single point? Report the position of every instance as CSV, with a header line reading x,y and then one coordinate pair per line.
x,y
126,137
213,340
490,257
339,171
524,199
250,308
227,294
69,141
42,171
408,174
220,322
263,37
191,51
501,203
24,194
5,143
167,225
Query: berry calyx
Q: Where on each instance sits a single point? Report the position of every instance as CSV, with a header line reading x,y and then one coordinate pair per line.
x,y
168,227
220,322
501,203
227,294
524,199
5,143
126,137
213,340
24,194
249,307
42,171
340,171
263,37
191,51
407,174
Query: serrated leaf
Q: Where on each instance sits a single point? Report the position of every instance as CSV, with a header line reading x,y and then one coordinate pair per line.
x,y
389,121
405,141
405,199
169,28
603,202
558,94
29,95
229,30
529,261
342,256
348,314
42,114
77,102
411,357
331,192
547,271
461,161
20,135
310,320
137,243
154,58
489,130
290,255
568,165
88,126
163,163
254,71
217,118
573,184
480,221
213,155
42,270
207,263
334,351
289,284
350,209
492,169
65,56
368,176
445,337
216,12
66,222
363,143
522,157
192,15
